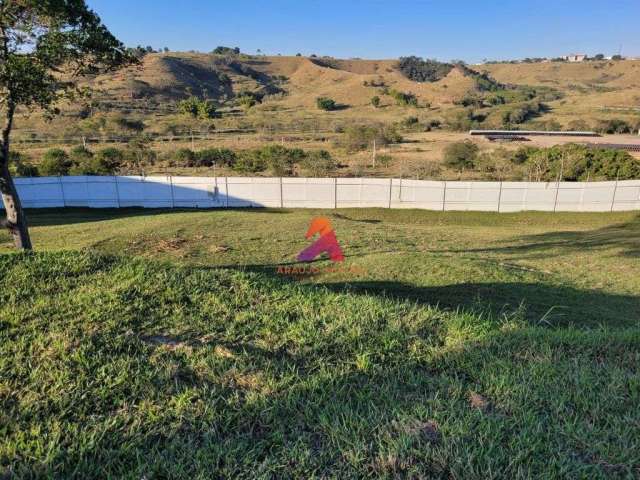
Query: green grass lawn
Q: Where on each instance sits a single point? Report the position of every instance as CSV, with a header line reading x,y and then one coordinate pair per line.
x,y
144,344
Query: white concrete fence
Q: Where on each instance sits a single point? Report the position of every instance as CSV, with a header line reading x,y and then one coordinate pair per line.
x,y
221,192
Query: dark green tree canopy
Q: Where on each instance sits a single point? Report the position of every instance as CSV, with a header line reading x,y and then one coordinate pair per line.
x,y
45,44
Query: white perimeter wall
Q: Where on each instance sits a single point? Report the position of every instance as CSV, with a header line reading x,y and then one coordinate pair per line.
x,y
209,192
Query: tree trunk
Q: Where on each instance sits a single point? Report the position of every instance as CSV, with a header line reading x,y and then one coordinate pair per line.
x,y
16,221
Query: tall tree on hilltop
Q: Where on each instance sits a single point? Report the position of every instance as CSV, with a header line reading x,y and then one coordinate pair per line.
x,y
45,46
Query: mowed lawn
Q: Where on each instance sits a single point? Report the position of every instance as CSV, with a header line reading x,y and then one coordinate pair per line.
x,y
169,344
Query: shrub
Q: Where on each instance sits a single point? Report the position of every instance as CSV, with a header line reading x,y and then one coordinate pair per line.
x,y
318,163
249,161
197,108
325,103
521,113
184,157
55,162
384,160
360,137
403,99
20,166
461,155
280,160
375,101
612,126
215,156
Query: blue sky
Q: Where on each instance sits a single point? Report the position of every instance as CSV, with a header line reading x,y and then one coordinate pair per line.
x,y
454,29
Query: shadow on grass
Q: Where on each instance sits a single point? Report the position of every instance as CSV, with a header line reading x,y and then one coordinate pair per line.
x,y
542,304
43,217
622,236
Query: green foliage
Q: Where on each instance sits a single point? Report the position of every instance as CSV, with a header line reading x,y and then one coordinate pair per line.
x,y
578,163
375,101
184,157
614,125
520,113
197,108
138,153
55,162
249,161
325,103
221,50
20,166
384,160
360,137
280,160
248,99
318,163
402,98
423,70
215,156
461,155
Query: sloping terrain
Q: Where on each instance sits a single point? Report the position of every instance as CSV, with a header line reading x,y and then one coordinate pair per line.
x,y
468,343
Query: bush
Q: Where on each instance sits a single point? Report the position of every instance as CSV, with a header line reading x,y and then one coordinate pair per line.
x,y
184,157
280,160
318,163
55,162
215,156
461,155
384,160
249,161
106,161
20,166
360,137
325,103
375,101
612,126
403,99
521,113
578,162
197,108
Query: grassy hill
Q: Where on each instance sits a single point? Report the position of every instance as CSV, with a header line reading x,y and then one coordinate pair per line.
x,y
474,343
534,96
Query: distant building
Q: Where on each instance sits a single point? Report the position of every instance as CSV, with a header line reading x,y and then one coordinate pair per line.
x,y
575,57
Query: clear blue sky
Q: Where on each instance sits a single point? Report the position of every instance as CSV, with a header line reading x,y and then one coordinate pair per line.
x,y
460,29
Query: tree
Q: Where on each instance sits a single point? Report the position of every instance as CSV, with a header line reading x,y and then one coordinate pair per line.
x,y
325,103
461,155
44,47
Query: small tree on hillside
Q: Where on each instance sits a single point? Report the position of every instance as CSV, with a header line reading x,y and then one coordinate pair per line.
x,y
325,103
44,47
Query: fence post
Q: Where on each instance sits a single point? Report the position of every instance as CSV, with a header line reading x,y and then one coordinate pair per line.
x,y
226,192
555,202
117,191
64,200
444,196
281,199
173,200
615,190
335,192
500,196
390,190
